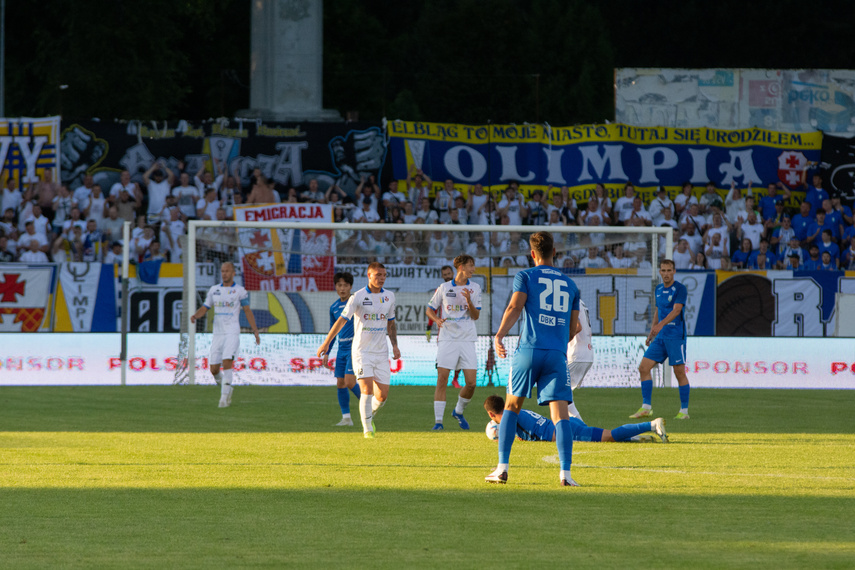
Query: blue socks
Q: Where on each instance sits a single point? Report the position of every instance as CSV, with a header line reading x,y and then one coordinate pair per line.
x,y
507,433
684,397
647,392
627,431
356,391
344,400
564,441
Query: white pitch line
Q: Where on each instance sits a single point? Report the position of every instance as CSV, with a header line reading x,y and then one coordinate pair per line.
x,y
554,459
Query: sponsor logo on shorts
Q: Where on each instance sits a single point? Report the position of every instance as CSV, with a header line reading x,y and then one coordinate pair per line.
x,y
547,320
359,372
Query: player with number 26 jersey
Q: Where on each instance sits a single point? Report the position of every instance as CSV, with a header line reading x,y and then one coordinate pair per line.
x,y
551,296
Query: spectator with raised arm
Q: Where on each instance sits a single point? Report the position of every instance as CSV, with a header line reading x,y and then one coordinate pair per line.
x,y
476,205
512,204
158,187
537,209
418,186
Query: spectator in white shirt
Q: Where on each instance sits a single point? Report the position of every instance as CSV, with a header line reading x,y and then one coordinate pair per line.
x,y
393,197
623,206
33,254
125,183
31,236
418,186
685,198
82,192
639,216
425,213
204,180
94,209
512,205
659,205
690,234
751,230
157,188
62,203
537,209
73,221
444,200
12,197
187,196
618,260
366,214
683,256
710,200
40,222
593,260
592,215
206,208
476,205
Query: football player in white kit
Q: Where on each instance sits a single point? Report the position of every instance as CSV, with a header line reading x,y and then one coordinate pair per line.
x,y
580,354
226,299
374,310
460,302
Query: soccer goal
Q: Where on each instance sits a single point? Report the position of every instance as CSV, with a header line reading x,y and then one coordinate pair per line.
x,y
288,269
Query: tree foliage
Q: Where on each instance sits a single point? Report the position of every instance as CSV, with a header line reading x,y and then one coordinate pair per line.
x,y
439,60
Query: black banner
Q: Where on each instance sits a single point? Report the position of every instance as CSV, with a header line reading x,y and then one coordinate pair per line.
x,y
838,162
289,154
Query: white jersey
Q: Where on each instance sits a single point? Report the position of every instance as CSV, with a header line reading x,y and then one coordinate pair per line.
x,y
458,324
372,312
579,349
227,303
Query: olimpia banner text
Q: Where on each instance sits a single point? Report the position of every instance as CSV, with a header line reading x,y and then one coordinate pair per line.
x,y
582,155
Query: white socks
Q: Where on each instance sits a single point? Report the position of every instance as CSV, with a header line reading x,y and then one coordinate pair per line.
x,y
461,405
365,414
438,411
218,377
573,411
684,410
376,405
647,406
226,388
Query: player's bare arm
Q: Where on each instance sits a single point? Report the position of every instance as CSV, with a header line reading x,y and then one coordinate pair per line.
x,y
675,312
474,312
251,319
392,331
431,314
336,328
509,319
199,314
575,325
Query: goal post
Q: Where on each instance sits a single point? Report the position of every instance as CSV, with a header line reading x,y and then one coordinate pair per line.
x,y
267,253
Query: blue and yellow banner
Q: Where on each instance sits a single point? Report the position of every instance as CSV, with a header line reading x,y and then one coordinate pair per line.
x,y
539,156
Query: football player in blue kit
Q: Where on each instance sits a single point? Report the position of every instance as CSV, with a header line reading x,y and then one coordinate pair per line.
x,y
548,302
344,378
667,339
534,427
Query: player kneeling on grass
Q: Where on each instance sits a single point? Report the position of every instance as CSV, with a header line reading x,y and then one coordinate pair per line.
x,y
460,300
534,427
373,312
226,299
344,378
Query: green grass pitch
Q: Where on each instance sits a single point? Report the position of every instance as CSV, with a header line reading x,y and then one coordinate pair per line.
x,y
159,477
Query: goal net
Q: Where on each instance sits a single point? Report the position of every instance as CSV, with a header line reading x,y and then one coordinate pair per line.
x,y
288,269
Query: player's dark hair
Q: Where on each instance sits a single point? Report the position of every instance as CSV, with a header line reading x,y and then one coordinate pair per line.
x,y
444,267
542,244
495,404
668,262
343,276
374,265
463,259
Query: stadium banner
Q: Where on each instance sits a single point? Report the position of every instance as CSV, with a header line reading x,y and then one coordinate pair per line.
x,y
779,303
271,268
28,148
26,297
289,154
409,278
289,360
538,156
791,100
838,166
86,298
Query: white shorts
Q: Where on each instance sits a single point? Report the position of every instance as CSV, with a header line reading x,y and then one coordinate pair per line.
x,y
372,364
577,371
224,347
456,355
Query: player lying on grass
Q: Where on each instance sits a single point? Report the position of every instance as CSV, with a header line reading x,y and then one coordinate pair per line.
x,y
534,427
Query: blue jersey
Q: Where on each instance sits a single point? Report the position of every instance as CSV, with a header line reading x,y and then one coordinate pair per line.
x,y
534,427
551,296
666,298
345,336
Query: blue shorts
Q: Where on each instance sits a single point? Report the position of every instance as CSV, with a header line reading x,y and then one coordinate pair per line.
x,y
674,349
343,363
546,369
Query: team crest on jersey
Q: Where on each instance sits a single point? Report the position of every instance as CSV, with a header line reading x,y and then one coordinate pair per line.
x,y
216,292
670,297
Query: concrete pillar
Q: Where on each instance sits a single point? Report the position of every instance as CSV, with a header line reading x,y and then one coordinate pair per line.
x,y
286,61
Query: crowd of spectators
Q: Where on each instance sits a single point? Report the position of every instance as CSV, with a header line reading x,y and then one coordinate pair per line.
x,y
48,221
